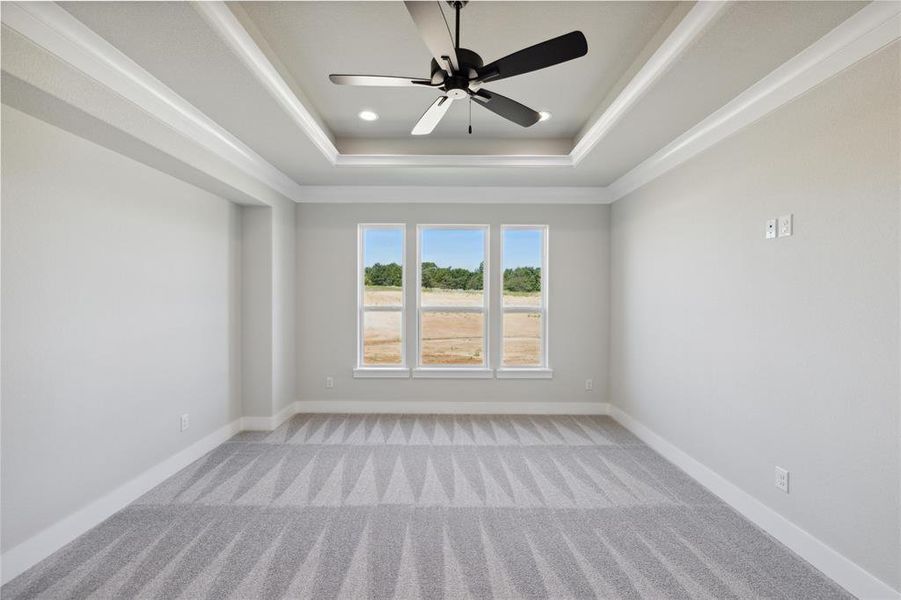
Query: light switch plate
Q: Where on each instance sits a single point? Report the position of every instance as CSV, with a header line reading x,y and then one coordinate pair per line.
x,y
785,225
771,229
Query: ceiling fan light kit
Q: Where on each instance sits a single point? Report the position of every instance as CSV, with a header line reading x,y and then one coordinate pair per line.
x,y
460,73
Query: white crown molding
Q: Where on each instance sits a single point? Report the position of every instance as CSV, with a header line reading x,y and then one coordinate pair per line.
x,y
865,32
834,565
871,28
51,27
232,32
334,194
453,160
689,29
226,25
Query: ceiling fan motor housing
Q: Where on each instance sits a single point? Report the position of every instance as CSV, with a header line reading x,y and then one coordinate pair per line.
x,y
456,85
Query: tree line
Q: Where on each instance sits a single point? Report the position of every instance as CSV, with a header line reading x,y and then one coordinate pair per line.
x,y
520,279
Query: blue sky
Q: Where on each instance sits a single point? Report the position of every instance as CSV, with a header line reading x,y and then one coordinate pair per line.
x,y
522,248
383,246
454,247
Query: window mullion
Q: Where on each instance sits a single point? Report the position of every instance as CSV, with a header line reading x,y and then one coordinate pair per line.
x,y
523,309
456,309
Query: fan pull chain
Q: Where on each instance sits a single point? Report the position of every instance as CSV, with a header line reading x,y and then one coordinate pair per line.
x,y
470,115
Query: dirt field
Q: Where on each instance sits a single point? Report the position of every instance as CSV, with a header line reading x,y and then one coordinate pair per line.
x,y
450,338
522,339
381,338
381,296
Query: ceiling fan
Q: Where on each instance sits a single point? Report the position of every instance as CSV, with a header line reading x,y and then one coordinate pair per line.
x,y
460,73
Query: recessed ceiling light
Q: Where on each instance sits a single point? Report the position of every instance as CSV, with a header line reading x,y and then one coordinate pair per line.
x,y
545,115
368,115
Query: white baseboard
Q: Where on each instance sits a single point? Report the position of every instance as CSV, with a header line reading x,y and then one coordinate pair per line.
x,y
269,423
22,557
840,569
440,407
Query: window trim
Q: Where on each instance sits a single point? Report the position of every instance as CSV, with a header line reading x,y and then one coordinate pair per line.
x,y
394,370
525,373
447,371
543,369
455,372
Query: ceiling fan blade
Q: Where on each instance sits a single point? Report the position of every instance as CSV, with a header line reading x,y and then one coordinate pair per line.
x,y
431,117
434,30
507,108
546,54
380,81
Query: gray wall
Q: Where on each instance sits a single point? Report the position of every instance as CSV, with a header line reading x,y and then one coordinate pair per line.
x,y
748,353
256,311
284,275
120,312
267,302
326,301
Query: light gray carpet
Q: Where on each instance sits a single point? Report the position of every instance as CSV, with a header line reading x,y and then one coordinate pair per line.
x,y
343,506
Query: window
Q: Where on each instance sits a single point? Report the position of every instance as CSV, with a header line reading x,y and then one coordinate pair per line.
x,y
452,300
380,315
524,297
452,334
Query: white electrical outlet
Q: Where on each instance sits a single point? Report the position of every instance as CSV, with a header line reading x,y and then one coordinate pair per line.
x,y
589,384
782,479
771,229
329,383
185,421
785,225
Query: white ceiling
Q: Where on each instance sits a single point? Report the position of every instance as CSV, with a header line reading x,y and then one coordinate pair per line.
x,y
314,39
746,43
304,41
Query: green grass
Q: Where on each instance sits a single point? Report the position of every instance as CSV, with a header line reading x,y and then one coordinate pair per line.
x,y
509,293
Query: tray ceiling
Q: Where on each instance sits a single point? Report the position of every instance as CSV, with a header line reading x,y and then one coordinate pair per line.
x,y
247,84
314,39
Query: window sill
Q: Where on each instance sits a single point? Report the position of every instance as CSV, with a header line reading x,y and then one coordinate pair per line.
x,y
526,373
453,373
381,373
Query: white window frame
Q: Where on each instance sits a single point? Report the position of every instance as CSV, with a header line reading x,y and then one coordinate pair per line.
x,y
543,369
362,369
454,371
